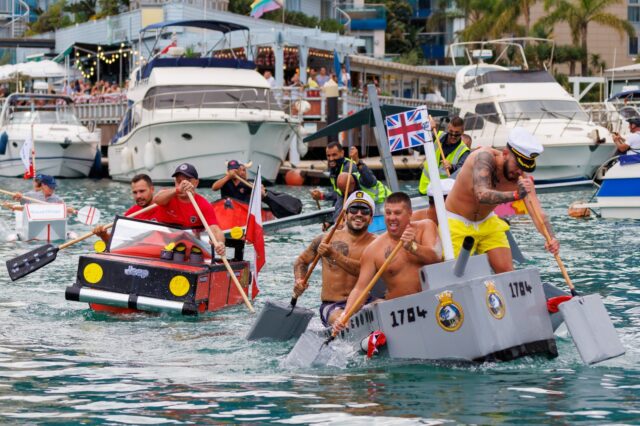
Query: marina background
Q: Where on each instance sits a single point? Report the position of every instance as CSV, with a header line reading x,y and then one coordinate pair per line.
x,y
61,363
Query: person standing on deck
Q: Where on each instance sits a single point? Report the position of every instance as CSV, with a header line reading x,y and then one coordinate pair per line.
x,y
340,257
630,145
454,149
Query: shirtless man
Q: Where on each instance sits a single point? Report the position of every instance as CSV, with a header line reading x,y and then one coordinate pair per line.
x,y
340,257
420,246
488,178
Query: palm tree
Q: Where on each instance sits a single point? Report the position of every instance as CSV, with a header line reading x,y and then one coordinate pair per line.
x,y
578,14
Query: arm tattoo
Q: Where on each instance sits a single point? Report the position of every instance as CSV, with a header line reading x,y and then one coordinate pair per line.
x,y
485,179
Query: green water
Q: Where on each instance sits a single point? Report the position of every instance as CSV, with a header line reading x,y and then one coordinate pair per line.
x,y
60,363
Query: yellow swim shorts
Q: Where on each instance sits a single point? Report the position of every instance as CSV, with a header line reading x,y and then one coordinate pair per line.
x,y
488,234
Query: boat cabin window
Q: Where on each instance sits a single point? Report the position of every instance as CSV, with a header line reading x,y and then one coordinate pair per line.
x,y
489,112
542,109
473,122
148,239
168,97
56,115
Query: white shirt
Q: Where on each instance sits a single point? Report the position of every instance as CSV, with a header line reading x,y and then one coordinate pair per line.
x,y
633,140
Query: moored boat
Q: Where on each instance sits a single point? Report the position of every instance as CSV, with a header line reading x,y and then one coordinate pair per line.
x,y
152,267
63,146
198,108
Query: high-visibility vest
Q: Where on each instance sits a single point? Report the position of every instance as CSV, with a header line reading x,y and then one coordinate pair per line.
x,y
379,192
452,158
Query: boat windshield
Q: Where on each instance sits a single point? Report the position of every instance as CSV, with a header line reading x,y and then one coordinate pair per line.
x,y
171,97
56,116
148,239
542,109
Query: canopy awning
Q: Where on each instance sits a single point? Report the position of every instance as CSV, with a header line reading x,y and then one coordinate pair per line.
x,y
223,27
365,117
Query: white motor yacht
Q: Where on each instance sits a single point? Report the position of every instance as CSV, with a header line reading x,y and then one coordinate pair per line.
x,y
63,146
493,99
200,109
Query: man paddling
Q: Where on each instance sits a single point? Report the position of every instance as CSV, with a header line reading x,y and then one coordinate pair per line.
x,y
46,193
488,178
142,191
420,246
340,257
231,186
177,208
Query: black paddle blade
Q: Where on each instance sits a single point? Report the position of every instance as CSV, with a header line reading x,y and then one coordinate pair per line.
x,y
31,261
293,302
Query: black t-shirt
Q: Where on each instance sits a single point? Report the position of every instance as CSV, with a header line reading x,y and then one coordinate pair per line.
x,y
240,192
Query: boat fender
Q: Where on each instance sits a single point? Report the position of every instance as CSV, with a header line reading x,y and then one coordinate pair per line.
x,y
149,156
126,160
4,141
96,168
372,342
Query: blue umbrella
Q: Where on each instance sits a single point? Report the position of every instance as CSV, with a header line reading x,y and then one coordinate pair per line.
x,y
336,66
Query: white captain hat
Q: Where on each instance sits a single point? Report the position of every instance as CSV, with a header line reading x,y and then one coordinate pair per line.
x,y
360,197
525,147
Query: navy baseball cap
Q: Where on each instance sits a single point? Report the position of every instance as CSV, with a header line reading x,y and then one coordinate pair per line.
x,y
48,180
186,169
234,165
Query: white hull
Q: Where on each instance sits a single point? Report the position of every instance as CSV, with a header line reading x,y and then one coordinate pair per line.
x,y
619,194
207,144
55,156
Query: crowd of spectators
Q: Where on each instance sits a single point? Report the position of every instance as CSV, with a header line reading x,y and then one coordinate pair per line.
x,y
100,92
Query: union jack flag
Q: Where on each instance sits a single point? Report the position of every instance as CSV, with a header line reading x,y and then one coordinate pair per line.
x,y
408,129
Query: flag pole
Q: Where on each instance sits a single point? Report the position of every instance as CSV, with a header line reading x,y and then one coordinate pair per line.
x,y
33,153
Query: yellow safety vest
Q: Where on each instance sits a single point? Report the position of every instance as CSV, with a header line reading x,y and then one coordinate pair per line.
x,y
379,193
453,158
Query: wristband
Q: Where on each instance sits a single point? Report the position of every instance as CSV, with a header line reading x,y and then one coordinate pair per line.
x,y
516,195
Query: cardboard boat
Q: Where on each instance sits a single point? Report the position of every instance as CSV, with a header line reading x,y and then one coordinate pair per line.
x,y
232,213
155,267
41,222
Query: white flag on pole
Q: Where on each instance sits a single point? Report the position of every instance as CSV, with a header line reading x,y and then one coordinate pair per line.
x,y
25,152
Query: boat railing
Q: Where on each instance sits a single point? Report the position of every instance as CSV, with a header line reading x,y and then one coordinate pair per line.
x,y
612,114
477,122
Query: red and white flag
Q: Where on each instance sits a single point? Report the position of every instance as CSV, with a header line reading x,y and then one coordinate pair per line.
x,y
255,233
27,154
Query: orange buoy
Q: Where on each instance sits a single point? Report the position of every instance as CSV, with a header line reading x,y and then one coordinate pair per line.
x,y
294,178
575,211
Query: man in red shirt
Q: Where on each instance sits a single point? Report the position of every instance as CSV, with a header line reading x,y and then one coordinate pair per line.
x,y
177,208
142,193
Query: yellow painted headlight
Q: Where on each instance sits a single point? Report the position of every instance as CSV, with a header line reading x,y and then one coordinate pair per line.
x,y
179,285
99,246
92,273
236,232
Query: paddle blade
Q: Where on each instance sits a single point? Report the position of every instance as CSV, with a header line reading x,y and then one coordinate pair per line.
x,y
88,215
31,261
280,322
591,328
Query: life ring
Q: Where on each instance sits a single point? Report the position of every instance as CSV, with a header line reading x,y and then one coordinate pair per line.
x,y
149,156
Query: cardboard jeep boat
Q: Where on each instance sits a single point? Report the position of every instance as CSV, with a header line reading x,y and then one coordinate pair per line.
x,y
155,267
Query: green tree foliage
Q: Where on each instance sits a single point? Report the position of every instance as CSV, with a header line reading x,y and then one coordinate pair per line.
x,y
578,14
82,11
51,19
112,7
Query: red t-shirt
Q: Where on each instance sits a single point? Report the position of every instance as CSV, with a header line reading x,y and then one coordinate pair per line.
x,y
183,214
154,215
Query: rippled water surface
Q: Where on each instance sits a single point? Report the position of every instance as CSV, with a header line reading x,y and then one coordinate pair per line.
x,y
60,363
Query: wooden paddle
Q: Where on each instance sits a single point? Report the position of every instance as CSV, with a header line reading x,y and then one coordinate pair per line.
x,y
35,259
294,298
536,215
224,258
435,134
360,300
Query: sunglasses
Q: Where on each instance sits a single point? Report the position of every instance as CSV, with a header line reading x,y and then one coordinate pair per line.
x,y
359,209
454,135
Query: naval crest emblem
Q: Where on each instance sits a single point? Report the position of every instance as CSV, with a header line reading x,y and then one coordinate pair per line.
x,y
495,302
449,313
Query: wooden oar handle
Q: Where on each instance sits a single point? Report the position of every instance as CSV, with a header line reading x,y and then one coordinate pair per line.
x,y
537,218
224,258
360,300
326,240
89,234
35,200
437,138
246,182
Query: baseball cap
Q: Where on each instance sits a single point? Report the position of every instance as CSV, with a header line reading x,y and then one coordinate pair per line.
x,y
39,177
186,169
360,197
234,165
48,180
634,120
525,147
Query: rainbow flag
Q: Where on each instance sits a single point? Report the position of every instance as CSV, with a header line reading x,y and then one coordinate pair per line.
x,y
260,7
